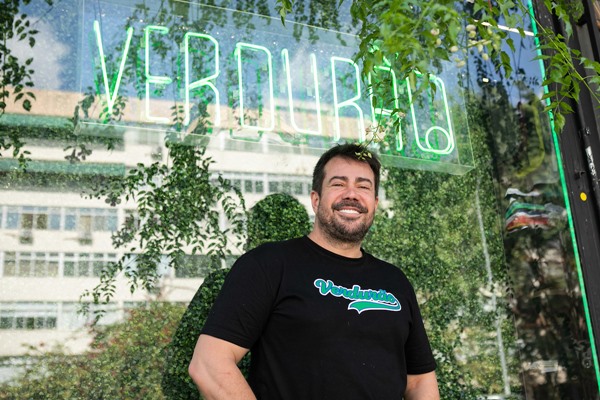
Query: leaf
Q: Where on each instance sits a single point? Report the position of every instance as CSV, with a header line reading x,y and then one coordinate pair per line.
x,y
559,122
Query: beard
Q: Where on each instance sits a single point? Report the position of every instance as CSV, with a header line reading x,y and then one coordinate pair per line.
x,y
352,232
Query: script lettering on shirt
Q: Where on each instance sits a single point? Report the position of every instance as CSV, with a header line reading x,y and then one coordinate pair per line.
x,y
362,299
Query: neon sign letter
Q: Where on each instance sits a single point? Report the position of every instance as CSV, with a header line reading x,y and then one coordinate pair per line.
x,y
239,50
189,86
448,133
313,67
111,96
337,105
152,79
378,112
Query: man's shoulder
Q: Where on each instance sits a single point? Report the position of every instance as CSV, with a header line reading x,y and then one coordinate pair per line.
x,y
277,245
273,249
386,266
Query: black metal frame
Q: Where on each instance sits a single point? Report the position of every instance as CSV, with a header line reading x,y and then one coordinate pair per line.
x,y
579,145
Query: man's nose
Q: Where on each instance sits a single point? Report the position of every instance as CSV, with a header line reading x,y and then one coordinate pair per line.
x,y
350,193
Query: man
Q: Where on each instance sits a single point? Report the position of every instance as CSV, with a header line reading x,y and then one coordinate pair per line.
x,y
324,319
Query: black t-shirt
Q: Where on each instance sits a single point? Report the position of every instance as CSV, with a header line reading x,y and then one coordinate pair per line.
x,y
321,326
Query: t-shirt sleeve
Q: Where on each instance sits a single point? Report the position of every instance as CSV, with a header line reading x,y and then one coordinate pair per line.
x,y
244,304
419,357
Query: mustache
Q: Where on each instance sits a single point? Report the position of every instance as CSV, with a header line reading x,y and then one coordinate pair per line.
x,y
350,203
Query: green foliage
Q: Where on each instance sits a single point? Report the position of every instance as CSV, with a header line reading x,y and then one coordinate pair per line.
x,y
416,35
176,382
278,216
442,231
15,75
125,362
176,208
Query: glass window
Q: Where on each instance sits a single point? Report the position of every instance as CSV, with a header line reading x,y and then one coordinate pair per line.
x,y
83,266
53,268
39,267
26,221
248,186
54,220
273,187
112,223
70,219
6,322
98,264
69,268
99,223
10,264
84,223
259,186
298,188
12,218
25,266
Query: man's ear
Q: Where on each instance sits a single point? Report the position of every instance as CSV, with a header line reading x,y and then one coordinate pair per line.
x,y
314,200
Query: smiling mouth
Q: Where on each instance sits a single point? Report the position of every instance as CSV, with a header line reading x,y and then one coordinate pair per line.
x,y
348,211
350,208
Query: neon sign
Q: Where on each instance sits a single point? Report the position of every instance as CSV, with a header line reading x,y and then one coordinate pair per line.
x,y
309,94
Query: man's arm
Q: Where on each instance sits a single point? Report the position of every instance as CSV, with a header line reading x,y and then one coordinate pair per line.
x,y
422,387
214,370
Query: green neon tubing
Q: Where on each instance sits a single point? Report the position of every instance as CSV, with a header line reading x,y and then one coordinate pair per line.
x,y
189,86
378,113
448,133
112,96
313,66
563,181
346,103
152,79
238,51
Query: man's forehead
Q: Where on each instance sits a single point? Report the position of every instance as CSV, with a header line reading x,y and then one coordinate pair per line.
x,y
346,167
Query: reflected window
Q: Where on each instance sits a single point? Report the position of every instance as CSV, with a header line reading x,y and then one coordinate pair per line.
x,y
54,219
259,187
28,315
273,187
12,218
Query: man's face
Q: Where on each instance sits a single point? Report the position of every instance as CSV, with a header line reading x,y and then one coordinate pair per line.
x,y
346,207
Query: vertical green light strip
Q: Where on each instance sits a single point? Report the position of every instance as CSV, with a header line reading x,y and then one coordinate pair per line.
x,y
313,66
337,105
449,135
206,81
153,79
111,97
238,51
377,113
567,204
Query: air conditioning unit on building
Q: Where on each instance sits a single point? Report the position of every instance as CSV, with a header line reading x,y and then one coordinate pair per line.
x,y
85,237
26,236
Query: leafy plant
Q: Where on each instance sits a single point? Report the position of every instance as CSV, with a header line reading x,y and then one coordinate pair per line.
x,y
125,362
278,216
416,36
15,75
177,208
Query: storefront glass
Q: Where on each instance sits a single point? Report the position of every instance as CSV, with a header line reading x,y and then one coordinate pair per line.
x,y
473,206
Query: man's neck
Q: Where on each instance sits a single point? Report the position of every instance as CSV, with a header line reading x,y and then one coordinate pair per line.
x,y
350,250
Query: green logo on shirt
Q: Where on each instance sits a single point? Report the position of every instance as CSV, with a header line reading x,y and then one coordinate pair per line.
x,y
362,299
